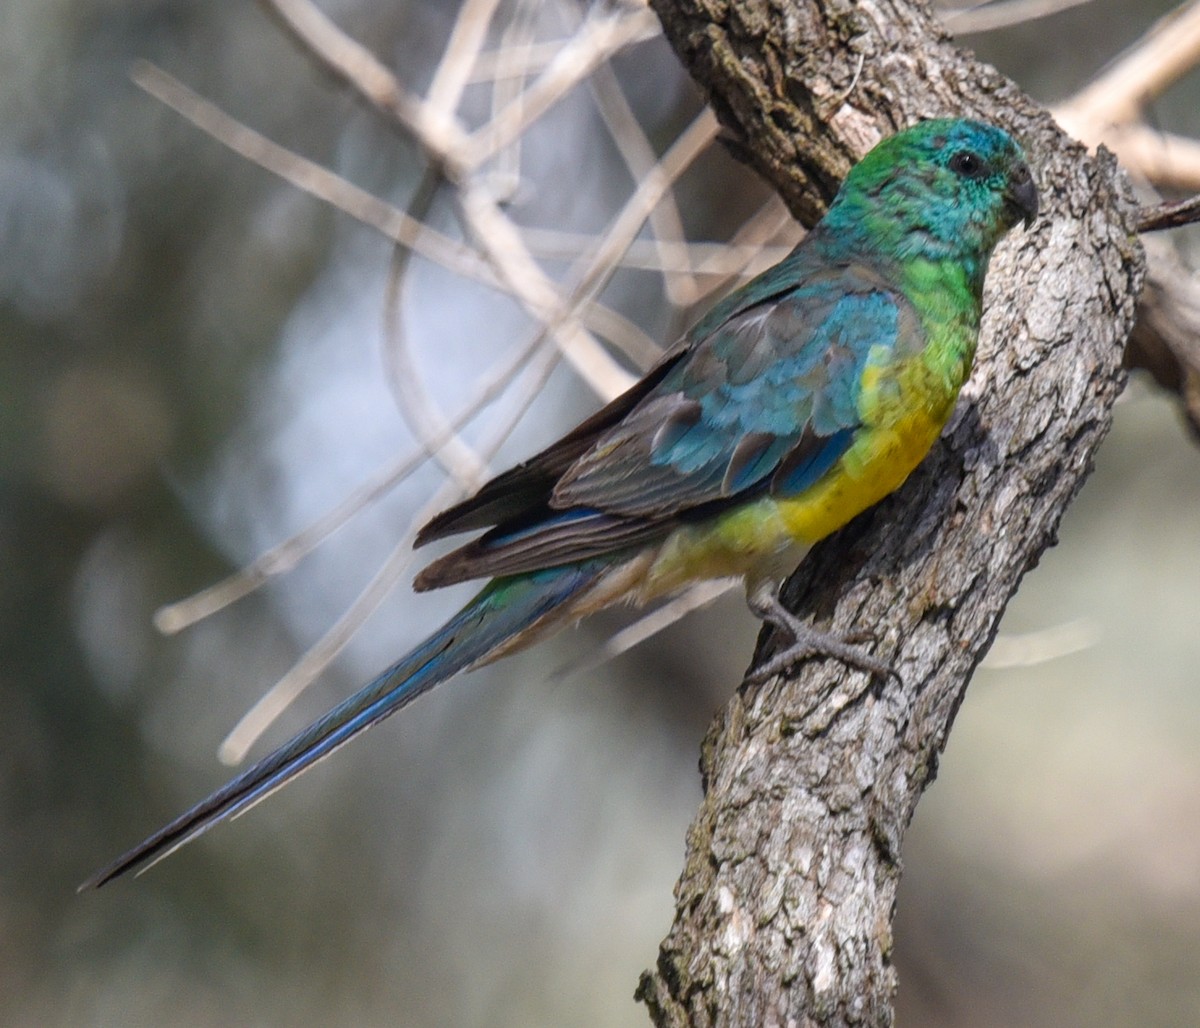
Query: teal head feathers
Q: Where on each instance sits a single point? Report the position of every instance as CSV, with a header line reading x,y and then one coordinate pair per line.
x,y
944,189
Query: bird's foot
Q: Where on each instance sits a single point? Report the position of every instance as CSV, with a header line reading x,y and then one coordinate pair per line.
x,y
807,642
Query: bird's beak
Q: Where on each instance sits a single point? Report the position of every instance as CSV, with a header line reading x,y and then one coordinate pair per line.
x,y
1022,196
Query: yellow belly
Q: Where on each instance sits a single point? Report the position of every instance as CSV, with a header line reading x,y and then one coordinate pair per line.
x,y
759,539
877,464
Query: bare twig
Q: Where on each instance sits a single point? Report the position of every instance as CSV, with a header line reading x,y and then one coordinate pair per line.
x,y
771,222
1162,159
635,149
286,555
1109,109
987,17
516,268
462,50
329,187
649,625
662,255
430,427
504,177
1169,215
446,146
599,37
307,175
1026,649
348,60
502,62
627,337
655,184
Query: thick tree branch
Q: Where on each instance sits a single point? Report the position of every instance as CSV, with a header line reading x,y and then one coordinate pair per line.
x,y
784,908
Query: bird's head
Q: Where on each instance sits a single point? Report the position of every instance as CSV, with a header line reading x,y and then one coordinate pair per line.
x,y
944,188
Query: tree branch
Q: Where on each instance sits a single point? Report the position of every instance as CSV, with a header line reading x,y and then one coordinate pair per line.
x,y
784,909
1110,110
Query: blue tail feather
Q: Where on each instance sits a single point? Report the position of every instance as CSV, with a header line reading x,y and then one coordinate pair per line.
x,y
498,615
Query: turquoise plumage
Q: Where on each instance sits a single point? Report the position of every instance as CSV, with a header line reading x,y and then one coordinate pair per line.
x,y
800,400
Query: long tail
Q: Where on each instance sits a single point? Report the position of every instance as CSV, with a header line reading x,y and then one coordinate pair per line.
x,y
503,616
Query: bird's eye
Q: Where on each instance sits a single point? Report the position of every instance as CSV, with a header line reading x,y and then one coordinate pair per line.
x,y
968,165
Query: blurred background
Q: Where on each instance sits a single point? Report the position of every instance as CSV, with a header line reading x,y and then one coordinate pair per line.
x,y
194,367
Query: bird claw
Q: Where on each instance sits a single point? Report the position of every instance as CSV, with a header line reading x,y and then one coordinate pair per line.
x,y
809,642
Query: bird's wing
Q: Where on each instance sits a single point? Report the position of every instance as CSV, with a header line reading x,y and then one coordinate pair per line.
x,y
526,486
522,493
772,391
767,400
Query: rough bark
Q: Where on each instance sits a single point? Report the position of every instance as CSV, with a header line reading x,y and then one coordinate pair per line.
x,y
785,905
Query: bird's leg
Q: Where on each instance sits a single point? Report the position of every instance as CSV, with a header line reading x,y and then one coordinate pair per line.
x,y
807,641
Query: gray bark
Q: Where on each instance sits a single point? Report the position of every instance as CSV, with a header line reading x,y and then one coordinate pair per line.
x,y
785,905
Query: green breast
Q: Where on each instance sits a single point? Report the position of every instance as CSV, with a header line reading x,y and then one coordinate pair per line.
x,y
946,300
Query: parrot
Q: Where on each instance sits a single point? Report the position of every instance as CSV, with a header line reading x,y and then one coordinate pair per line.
x,y
800,400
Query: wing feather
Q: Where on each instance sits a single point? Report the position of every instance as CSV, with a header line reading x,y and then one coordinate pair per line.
x,y
765,400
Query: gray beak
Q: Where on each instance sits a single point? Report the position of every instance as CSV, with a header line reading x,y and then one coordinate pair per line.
x,y
1022,195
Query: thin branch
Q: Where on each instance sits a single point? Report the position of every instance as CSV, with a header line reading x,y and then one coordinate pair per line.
x,y
425,419
440,135
458,58
561,317
661,255
770,222
666,224
516,268
1169,215
655,184
329,187
987,17
308,176
445,146
504,176
501,63
348,60
1027,649
1161,57
633,341
599,38
285,556
650,625
1165,160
